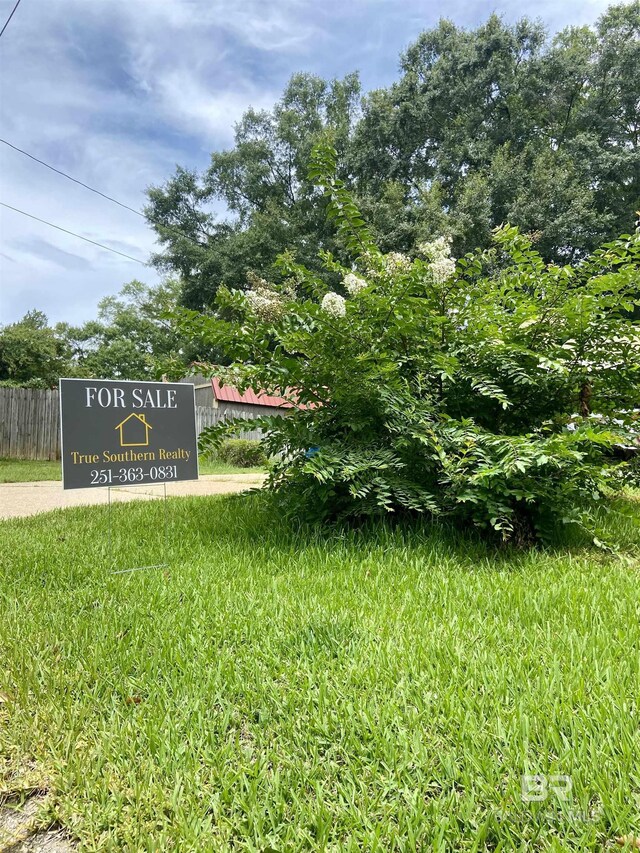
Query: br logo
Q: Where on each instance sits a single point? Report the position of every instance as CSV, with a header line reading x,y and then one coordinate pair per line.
x,y
538,787
134,431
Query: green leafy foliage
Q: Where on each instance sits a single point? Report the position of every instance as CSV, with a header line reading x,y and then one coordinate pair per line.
x,y
493,391
132,337
502,124
32,353
241,452
263,183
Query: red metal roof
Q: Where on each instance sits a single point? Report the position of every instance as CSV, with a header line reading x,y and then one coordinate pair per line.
x,y
229,394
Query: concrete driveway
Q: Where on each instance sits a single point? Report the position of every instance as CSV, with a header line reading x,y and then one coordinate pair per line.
x,y
18,500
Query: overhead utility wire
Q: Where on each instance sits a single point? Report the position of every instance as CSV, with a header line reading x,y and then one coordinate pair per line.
x,y
75,180
6,23
104,195
73,234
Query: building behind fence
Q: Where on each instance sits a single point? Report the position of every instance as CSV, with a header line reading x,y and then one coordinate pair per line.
x,y
30,423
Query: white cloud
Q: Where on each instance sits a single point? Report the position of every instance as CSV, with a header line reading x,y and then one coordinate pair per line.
x,y
199,108
274,26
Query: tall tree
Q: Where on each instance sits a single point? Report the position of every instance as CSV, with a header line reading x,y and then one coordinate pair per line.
x,y
263,182
497,125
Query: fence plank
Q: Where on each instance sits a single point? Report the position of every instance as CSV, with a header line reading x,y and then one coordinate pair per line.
x,y
31,427
39,436
43,423
55,414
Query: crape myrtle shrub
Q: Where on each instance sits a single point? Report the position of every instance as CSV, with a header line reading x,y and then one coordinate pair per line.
x,y
493,390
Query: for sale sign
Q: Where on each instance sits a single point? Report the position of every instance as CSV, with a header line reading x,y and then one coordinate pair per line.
x,y
117,433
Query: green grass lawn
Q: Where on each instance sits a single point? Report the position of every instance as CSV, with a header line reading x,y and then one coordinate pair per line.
x,y
286,690
27,470
215,466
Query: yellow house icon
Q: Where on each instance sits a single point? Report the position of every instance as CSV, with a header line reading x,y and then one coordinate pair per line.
x,y
131,430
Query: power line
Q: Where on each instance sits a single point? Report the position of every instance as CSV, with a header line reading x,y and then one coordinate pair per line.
x,y
75,180
73,234
169,228
6,23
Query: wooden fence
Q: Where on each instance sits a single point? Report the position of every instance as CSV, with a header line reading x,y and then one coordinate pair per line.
x,y
206,417
29,419
30,423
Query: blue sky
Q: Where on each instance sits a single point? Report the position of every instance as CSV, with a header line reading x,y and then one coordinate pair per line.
x,y
117,92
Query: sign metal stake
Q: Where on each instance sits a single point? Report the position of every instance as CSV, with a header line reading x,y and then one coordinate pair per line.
x,y
109,530
165,540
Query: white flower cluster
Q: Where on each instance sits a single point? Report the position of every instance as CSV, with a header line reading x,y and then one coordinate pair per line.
x,y
334,304
438,248
442,269
438,252
353,284
396,262
263,300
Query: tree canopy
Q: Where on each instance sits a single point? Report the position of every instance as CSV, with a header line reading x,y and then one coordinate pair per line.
x,y
263,182
133,336
32,353
482,127
487,126
506,126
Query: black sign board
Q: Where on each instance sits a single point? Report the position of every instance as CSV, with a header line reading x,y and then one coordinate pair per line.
x,y
117,433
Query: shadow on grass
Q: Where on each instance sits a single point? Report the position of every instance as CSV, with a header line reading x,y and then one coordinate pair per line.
x,y
254,520
69,546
